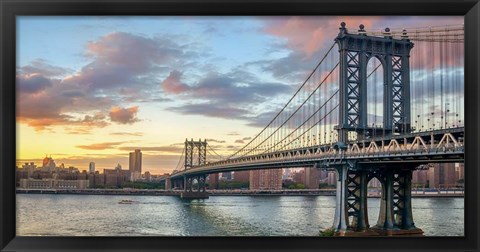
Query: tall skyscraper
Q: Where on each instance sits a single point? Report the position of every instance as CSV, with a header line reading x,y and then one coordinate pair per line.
x,y
91,167
135,165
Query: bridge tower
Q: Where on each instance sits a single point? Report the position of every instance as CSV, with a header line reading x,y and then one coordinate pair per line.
x,y
355,51
195,154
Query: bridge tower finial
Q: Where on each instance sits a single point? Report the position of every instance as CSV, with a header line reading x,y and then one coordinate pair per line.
x,y
362,31
342,28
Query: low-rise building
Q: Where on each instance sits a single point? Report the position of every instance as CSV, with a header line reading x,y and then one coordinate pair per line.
x,y
116,177
53,184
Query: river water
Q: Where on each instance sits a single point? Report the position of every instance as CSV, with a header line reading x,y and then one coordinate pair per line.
x,y
101,215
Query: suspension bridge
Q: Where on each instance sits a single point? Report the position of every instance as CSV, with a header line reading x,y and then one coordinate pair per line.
x,y
379,104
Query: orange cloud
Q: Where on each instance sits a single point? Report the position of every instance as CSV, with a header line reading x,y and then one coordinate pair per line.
x,y
124,115
99,146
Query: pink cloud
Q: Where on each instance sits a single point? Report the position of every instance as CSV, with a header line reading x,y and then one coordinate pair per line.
x,y
309,34
124,115
172,83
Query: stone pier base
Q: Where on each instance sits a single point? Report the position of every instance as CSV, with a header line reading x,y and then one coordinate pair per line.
x,y
381,232
398,232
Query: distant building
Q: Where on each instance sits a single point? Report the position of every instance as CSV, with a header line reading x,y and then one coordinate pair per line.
x,y
53,184
96,179
148,176
91,167
48,164
135,165
420,178
331,178
241,176
460,170
115,177
29,168
442,175
226,176
212,180
299,176
20,174
70,174
312,178
268,179
287,174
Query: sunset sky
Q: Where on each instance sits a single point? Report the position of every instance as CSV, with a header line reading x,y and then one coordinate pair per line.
x,y
92,89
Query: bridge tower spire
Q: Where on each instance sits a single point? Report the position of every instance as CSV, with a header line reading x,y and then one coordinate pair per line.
x,y
355,51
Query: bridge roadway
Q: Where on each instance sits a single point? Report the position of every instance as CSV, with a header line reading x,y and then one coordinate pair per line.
x,y
437,146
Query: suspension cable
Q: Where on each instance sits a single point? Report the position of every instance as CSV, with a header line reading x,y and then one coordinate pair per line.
x,y
284,107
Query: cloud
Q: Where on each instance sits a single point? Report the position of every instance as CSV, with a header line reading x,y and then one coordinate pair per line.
x,y
307,35
211,110
126,134
100,146
41,67
119,59
124,68
172,83
215,140
124,115
233,87
243,140
262,119
292,67
171,148
32,83
234,95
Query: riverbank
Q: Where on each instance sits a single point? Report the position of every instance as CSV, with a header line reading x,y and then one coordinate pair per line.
x,y
159,192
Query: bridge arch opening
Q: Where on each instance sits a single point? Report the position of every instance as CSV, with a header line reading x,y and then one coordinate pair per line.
x,y
374,194
375,96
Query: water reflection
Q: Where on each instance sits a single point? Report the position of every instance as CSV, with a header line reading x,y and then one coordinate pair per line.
x,y
97,215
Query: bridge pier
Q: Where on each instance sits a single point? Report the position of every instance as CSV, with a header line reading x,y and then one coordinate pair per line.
x,y
188,190
179,184
168,183
395,216
351,214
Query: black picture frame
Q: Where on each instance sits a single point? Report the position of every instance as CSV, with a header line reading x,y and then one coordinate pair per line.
x,y
10,8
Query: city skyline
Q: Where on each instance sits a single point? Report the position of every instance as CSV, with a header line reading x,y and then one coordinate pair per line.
x,y
92,89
